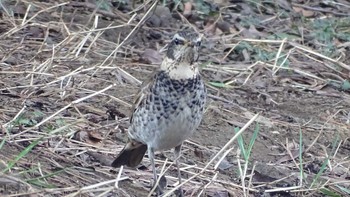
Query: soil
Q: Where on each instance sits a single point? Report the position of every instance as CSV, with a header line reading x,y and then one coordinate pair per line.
x,y
81,137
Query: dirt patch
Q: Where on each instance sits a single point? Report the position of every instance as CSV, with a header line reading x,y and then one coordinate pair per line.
x,y
67,86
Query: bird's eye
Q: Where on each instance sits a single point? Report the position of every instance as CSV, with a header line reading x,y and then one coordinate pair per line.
x,y
177,41
198,43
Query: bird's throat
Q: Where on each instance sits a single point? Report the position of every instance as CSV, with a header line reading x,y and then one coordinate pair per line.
x,y
179,70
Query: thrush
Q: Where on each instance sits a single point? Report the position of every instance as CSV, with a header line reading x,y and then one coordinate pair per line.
x,y
169,106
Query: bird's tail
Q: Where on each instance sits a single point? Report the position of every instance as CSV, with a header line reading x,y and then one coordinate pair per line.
x,y
131,155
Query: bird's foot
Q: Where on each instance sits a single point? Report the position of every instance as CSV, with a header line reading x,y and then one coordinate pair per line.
x,y
179,193
161,185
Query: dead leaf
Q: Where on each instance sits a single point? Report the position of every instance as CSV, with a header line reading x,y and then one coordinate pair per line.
x,y
306,13
91,137
217,193
224,165
164,15
187,9
210,27
293,145
94,137
20,10
224,26
154,21
252,32
222,2
150,56
285,4
36,32
80,135
103,159
270,172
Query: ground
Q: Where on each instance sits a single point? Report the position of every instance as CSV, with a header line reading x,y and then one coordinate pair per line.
x,y
70,70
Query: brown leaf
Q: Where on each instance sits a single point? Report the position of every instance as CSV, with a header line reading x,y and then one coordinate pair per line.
x,y
210,27
91,137
306,13
94,137
187,9
252,32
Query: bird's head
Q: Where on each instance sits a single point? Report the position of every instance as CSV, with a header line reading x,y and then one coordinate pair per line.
x,y
184,47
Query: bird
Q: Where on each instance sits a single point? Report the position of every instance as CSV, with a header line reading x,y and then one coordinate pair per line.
x,y
168,107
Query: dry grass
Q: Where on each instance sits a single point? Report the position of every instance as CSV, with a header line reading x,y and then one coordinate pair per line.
x,y
66,90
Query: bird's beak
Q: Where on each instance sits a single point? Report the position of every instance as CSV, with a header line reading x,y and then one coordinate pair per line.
x,y
190,44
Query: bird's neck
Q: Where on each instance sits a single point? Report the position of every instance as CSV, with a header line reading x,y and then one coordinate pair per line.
x,y
179,70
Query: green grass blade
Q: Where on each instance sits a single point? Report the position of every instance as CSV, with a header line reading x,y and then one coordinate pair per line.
x,y
22,154
218,84
329,193
241,144
41,184
335,144
205,64
252,141
322,169
31,170
346,190
47,175
2,143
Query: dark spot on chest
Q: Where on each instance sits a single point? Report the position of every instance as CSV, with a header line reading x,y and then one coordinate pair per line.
x,y
174,95
195,102
166,104
174,105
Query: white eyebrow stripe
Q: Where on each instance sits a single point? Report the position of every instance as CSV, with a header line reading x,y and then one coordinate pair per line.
x,y
178,37
199,38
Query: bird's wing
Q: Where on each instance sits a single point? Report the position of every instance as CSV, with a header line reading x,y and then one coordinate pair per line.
x,y
142,94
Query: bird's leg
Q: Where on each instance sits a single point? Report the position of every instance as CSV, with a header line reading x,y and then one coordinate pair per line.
x,y
151,158
177,152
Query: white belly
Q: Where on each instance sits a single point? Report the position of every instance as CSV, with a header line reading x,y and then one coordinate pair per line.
x,y
173,133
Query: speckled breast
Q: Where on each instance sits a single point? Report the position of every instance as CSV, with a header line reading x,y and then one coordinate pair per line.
x,y
172,111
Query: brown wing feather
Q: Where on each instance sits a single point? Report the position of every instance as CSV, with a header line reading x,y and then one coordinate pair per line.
x,y
133,152
142,94
131,155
